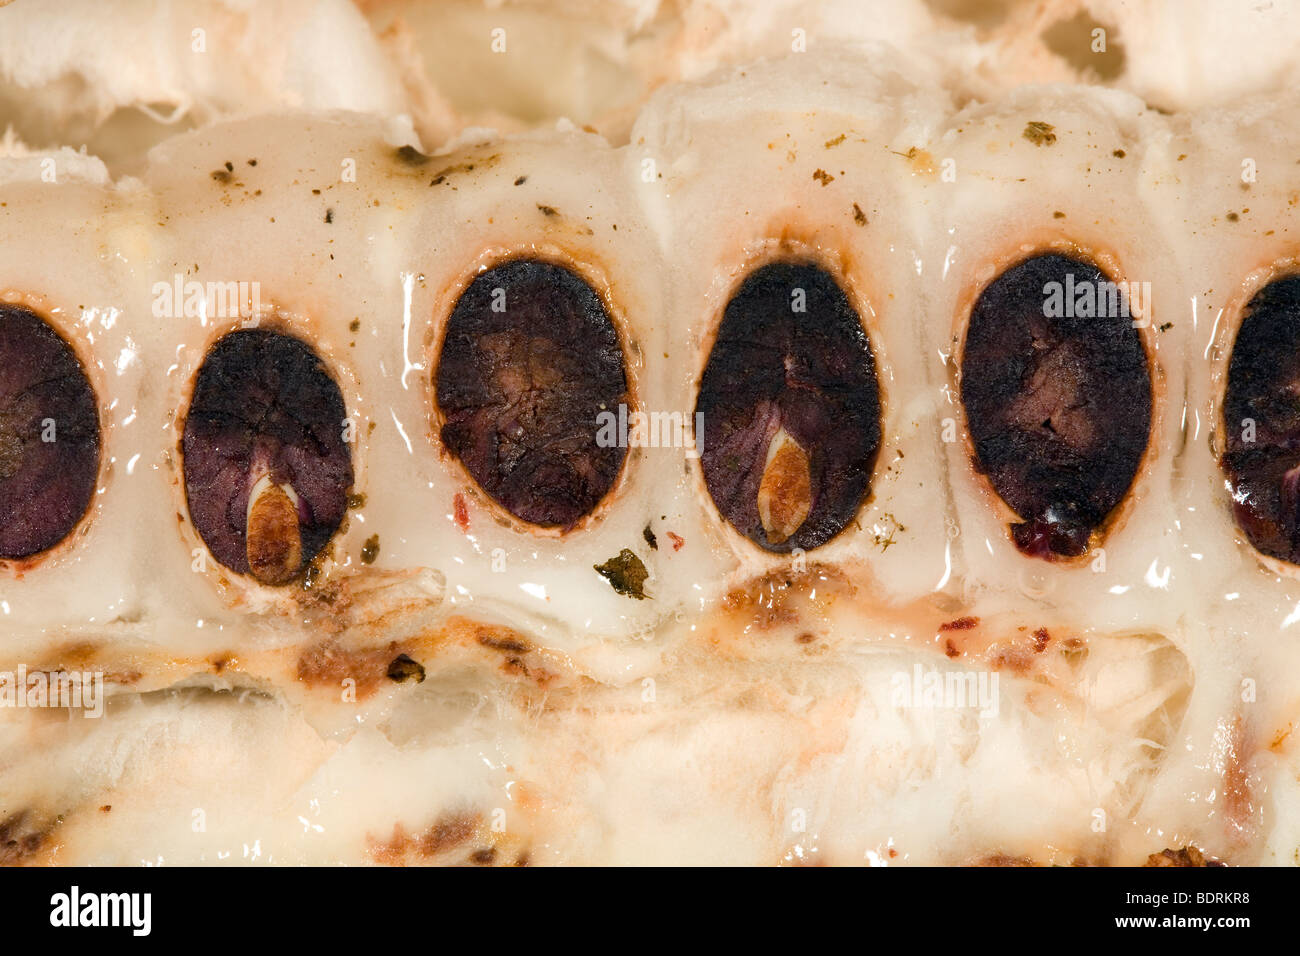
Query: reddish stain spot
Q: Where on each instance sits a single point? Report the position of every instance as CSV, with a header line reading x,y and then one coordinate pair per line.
x,y
447,833
329,663
461,512
960,624
1015,659
1238,798
1041,639
677,541
506,642
950,648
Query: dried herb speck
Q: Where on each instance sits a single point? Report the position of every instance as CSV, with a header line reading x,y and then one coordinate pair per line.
x,y
403,669
650,538
1040,134
625,573
410,156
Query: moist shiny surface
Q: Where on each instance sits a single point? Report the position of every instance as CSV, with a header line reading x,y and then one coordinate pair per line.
x,y
1261,417
1058,405
49,435
529,362
809,373
264,404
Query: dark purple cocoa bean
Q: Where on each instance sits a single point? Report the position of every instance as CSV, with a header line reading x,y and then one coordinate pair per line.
x,y
791,409
1261,417
529,362
266,407
1057,392
49,435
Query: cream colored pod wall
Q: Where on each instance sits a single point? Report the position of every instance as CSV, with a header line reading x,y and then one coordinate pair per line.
x,y
813,161
58,209
362,248
1059,170
1235,179
563,198
531,698
805,161
302,247
1075,172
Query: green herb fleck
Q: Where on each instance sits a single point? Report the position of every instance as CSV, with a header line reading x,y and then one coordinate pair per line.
x,y
1040,134
625,573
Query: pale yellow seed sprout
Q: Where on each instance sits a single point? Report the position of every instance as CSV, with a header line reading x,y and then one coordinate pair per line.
x,y
273,541
785,493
